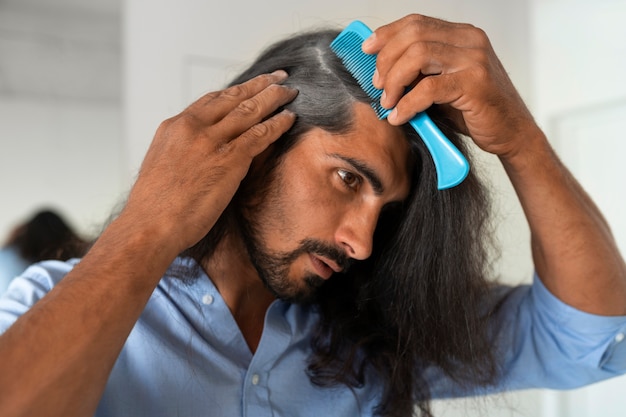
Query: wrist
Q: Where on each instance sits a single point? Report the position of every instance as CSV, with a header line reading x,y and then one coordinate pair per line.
x,y
532,149
140,245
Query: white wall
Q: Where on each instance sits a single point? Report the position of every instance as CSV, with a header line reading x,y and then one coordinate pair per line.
x,y
578,67
64,155
578,55
578,78
60,113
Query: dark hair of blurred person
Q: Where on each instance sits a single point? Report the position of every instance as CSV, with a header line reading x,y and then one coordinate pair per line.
x,y
44,236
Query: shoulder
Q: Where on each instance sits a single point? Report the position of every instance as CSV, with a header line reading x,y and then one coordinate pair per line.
x,y
11,265
29,287
45,275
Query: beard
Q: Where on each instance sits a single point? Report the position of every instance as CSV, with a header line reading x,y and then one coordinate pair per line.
x,y
273,267
263,197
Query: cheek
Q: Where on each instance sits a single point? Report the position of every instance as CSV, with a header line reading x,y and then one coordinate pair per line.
x,y
281,218
308,206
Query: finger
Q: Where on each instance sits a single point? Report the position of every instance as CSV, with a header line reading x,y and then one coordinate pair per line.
x,y
436,89
417,27
258,137
407,69
416,32
254,110
214,106
424,59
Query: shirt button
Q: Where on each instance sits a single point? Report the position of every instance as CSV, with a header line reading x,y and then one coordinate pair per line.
x,y
255,379
619,337
207,299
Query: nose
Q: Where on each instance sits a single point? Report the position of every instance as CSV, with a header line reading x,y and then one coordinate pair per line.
x,y
355,232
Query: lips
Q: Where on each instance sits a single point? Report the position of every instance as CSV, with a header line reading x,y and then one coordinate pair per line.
x,y
324,267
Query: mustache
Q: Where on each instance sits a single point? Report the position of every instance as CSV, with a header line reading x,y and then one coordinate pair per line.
x,y
323,249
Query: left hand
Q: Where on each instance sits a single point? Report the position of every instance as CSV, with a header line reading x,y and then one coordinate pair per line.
x,y
452,65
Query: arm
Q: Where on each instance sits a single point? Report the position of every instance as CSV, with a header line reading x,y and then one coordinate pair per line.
x,y
455,66
573,249
57,357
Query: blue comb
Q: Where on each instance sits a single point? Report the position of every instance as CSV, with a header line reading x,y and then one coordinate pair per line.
x,y
450,164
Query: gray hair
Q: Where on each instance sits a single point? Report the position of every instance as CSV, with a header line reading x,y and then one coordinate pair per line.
x,y
327,90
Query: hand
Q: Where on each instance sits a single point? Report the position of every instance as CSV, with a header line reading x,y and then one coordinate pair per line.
x,y
198,158
452,65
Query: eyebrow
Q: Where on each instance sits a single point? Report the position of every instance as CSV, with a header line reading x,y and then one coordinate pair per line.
x,y
366,171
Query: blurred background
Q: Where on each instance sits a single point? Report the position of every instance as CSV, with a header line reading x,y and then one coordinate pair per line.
x,y
85,83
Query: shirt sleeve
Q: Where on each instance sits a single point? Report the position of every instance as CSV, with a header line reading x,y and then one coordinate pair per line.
x,y
545,343
28,288
11,266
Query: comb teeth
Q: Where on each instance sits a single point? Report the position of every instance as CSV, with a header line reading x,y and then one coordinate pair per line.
x,y
347,46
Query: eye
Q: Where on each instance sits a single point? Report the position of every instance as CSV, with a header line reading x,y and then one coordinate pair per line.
x,y
349,179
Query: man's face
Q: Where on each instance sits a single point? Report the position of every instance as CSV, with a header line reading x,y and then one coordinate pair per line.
x,y
323,203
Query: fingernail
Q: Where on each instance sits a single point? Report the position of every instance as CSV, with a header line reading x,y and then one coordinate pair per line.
x,y
294,91
393,116
375,77
367,43
383,98
281,74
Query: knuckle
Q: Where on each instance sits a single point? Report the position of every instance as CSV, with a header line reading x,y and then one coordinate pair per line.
x,y
260,135
259,130
182,121
418,49
207,98
483,65
428,85
165,125
186,121
382,62
210,96
415,18
479,37
235,91
480,70
276,89
394,82
416,29
248,107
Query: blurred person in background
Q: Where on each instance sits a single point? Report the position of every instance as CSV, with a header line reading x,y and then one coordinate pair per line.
x,y
45,235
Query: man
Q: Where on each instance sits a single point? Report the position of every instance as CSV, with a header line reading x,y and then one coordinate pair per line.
x,y
380,278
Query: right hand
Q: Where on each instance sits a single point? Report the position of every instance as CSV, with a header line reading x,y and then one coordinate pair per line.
x,y
198,158
455,66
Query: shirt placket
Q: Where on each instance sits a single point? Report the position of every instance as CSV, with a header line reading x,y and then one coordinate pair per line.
x,y
275,340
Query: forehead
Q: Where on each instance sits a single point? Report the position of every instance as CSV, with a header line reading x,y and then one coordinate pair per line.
x,y
383,147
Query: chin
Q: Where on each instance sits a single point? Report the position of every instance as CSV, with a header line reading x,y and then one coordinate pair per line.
x,y
306,293
301,296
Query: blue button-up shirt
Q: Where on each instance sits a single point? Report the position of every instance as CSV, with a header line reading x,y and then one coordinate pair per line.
x,y
186,356
11,265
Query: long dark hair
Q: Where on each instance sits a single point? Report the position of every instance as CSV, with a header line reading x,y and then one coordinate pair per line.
x,y
46,235
418,301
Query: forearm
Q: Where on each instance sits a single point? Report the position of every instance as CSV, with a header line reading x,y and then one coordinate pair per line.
x,y
573,249
57,357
